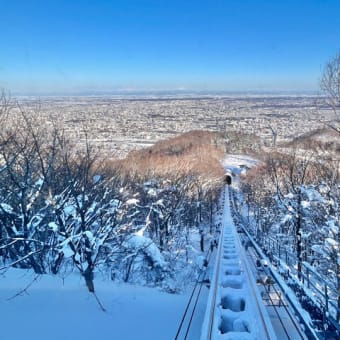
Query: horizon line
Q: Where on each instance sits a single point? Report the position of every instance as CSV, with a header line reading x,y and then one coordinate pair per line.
x,y
164,92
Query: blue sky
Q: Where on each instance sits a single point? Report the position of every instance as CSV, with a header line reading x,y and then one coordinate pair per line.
x,y
83,46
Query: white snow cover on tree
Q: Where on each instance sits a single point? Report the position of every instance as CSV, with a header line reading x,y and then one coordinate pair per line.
x,y
144,244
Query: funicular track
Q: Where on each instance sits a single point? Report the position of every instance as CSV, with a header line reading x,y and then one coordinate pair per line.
x,y
294,322
285,317
241,303
281,312
234,309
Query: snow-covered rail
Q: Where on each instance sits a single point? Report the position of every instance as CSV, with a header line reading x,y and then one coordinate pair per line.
x,y
234,309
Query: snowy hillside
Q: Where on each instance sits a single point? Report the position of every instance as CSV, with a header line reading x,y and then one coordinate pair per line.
x,y
55,309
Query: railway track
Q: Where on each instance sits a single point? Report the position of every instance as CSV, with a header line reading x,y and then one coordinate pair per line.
x,y
286,317
235,309
242,303
279,309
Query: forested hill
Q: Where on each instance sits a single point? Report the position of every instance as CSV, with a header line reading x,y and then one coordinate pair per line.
x,y
65,209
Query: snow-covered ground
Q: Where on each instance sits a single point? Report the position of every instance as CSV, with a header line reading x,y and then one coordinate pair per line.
x,y
238,163
54,309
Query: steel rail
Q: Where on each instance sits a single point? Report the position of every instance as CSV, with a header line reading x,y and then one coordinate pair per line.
x,y
217,270
217,273
310,333
283,304
259,304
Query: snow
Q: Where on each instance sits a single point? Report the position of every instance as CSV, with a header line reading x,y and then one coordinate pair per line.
x,y
286,218
145,244
152,192
64,309
55,308
132,201
287,291
332,243
53,226
239,163
70,210
96,179
5,207
290,195
332,227
67,251
35,221
90,236
305,204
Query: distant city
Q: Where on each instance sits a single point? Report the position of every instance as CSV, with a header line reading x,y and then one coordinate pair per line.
x,y
116,124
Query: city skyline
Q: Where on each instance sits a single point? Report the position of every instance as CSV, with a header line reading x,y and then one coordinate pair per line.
x,y
109,46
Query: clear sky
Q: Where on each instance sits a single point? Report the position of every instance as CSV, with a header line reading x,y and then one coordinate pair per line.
x,y
98,45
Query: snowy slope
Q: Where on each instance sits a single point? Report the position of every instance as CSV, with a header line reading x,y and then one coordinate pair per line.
x,y
54,310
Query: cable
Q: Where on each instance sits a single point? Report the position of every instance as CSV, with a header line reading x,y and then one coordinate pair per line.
x,y
187,307
195,305
199,281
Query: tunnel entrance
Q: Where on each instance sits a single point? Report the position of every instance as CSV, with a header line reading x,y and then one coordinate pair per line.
x,y
227,179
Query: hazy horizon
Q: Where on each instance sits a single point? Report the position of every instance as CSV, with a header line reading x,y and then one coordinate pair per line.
x,y
168,93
